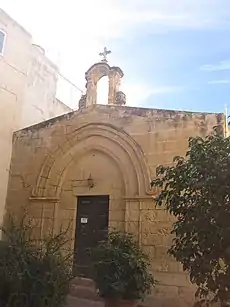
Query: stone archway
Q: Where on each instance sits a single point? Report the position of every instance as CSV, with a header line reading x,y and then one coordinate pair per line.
x,y
119,148
125,151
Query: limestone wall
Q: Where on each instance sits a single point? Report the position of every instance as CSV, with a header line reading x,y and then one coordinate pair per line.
x,y
119,148
13,74
27,91
40,101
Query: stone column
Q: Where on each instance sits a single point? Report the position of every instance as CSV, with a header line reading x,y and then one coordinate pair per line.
x,y
91,94
114,83
111,89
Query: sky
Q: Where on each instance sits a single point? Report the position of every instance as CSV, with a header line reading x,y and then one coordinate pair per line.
x,y
175,54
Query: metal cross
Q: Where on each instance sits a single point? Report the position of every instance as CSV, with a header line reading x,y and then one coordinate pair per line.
x,y
104,54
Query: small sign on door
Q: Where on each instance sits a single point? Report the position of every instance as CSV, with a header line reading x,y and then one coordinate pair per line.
x,y
84,220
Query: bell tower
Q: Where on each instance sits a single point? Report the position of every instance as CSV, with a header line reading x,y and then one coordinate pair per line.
x,y
94,74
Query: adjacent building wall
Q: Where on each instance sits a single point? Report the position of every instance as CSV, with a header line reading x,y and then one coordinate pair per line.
x,y
27,91
40,101
13,78
120,148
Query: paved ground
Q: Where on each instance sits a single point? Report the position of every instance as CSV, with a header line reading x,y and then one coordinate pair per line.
x,y
78,302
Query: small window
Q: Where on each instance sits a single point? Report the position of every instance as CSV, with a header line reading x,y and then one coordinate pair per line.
x,y
2,41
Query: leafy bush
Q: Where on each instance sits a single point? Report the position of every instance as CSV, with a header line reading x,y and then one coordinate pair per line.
x,y
33,273
121,269
196,190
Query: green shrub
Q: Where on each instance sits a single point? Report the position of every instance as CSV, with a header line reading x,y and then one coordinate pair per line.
x,y
33,273
121,269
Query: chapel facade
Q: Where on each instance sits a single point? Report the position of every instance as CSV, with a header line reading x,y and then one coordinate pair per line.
x,y
93,168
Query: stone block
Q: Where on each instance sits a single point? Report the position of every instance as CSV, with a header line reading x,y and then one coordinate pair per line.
x,y
187,293
172,279
116,204
173,146
117,215
55,179
35,213
36,233
143,140
117,225
68,201
159,215
154,239
132,205
47,226
148,215
161,291
150,251
132,215
164,216
132,227
148,227
157,228
41,191
148,205
68,214
48,213
165,265
35,205
162,252
67,224
49,205
51,191
42,182
152,301
36,222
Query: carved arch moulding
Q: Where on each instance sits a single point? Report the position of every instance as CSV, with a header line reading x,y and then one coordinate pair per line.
x,y
117,144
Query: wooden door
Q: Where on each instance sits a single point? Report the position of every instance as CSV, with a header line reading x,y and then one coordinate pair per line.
x,y
91,227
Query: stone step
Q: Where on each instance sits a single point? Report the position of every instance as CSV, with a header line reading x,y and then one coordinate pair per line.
x,y
84,288
80,302
87,282
84,292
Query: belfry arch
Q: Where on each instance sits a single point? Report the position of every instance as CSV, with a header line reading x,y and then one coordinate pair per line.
x,y
103,91
94,74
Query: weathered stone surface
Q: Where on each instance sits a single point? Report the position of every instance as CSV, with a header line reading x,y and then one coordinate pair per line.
x,y
93,75
120,148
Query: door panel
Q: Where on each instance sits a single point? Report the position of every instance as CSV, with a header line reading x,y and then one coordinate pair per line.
x,y
91,227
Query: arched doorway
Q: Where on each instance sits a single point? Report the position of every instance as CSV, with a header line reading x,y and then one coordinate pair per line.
x,y
100,165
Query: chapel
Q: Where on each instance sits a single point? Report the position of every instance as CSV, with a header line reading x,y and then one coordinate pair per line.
x,y
91,169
